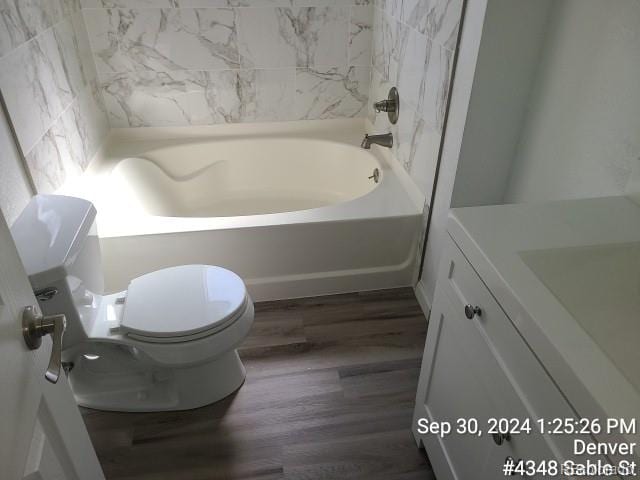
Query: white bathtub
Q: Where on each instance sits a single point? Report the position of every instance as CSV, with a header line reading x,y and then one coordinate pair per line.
x,y
236,177
293,208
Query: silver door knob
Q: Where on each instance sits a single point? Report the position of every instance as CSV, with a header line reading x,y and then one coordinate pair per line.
x,y
34,327
471,311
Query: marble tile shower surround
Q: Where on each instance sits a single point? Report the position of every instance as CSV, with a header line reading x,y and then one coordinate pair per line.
x,y
184,62
413,46
194,62
49,82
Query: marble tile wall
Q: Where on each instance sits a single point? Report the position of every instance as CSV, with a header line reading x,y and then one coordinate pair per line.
x,y
195,62
413,46
49,83
413,49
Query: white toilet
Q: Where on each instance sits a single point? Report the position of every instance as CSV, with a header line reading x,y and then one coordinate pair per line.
x,y
168,342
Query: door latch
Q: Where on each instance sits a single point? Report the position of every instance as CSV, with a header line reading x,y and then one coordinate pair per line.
x,y
34,327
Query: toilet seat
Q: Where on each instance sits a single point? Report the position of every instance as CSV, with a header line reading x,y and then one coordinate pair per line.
x,y
184,303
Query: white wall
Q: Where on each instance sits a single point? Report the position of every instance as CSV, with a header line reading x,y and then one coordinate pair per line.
x,y
545,105
581,137
499,51
15,190
512,37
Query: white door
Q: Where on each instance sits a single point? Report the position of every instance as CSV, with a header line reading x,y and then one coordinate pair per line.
x,y
42,435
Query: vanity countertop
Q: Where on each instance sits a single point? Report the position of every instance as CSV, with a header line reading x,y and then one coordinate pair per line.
x,y
567,273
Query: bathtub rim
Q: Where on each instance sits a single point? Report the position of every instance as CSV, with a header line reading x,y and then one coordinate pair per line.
x,y
396,196
343,130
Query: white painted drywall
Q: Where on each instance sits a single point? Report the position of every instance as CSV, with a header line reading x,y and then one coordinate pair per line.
x,y
581,137
15,190
512,36
545,105
499,51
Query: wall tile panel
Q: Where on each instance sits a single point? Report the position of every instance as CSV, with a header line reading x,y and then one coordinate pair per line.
x,y
193,62
48,79
413,42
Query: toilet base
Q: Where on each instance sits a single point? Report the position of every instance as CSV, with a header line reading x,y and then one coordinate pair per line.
x,y
114,384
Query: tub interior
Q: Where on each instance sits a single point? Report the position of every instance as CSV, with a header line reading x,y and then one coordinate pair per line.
x,y
226,178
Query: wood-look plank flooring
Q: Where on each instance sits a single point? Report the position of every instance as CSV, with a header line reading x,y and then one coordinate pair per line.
x,y
329,395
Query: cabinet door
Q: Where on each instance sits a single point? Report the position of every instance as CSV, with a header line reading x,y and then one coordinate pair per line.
x,y
451,387
481,368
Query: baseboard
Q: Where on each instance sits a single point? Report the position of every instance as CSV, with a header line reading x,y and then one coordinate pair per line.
x,y
421,295
329,283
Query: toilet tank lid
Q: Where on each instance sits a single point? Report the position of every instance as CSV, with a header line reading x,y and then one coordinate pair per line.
x,y
49,233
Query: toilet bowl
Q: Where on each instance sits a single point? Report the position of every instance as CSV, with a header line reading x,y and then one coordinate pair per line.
x,y
167,342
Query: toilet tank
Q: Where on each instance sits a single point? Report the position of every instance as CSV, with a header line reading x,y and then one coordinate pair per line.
x,y
57,240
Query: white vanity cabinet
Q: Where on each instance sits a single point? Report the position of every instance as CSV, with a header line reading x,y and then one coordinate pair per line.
x,y
477,366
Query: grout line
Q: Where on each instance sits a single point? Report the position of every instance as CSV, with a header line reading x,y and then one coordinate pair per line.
x,y
39,34
59,117
16,141
222,70
348,40
232,7
431,38
74,99
98,78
